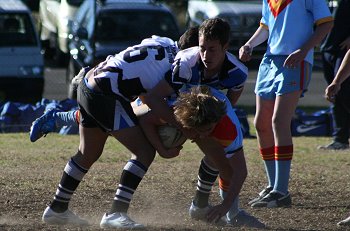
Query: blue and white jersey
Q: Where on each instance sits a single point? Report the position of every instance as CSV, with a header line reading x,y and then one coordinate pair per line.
x,y
188,69
137,69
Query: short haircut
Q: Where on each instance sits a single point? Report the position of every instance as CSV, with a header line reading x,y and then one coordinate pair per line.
x,y
189,38
215,29
198,107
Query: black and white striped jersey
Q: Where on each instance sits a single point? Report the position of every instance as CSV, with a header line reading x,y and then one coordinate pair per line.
x,y
137,69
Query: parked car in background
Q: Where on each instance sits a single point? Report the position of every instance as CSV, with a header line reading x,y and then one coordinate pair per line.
x,y
55,18
21,60
243,16
110,26
33,5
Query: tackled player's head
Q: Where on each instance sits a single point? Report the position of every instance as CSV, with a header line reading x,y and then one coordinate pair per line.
x,y
198,109
215,29
189,38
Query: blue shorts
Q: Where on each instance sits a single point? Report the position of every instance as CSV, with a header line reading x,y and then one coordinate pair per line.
x,y
274,79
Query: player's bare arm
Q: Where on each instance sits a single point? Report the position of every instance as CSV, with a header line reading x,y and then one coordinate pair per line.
x,y
154,99
342,74
260,36
232,170
239,168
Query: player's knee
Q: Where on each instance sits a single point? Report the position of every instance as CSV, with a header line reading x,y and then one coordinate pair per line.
x,y
84,159
262,127
145,159
280,124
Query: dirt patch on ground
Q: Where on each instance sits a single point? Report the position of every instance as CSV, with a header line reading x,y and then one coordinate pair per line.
x,y
30,173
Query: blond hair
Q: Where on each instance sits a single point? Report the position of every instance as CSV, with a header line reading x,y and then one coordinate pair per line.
x,y
198,107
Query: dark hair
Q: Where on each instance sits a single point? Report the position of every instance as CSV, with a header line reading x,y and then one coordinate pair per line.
x,y
189,38
215,29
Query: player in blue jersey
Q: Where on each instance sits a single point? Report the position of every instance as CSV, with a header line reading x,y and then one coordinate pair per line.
x,y
283,77
211,64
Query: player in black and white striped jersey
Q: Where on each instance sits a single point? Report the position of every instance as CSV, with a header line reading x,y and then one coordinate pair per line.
x,y
54,119
104,97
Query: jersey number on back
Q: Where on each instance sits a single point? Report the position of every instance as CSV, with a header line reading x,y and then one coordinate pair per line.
x,y
141,53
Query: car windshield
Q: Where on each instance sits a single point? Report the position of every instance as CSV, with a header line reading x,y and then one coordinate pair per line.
x,y
126,26
16,30
75,2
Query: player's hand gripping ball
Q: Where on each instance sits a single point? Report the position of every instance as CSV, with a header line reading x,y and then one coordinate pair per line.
x,y
170,136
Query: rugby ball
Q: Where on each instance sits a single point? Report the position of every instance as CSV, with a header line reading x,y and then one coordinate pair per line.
x,y
170,136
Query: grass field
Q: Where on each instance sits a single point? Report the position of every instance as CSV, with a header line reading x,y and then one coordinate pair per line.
x,y
30,172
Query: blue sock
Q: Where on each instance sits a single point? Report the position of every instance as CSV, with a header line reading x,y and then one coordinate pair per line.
x,y
66,118
268,155
270,169
234,209
282,177
283,156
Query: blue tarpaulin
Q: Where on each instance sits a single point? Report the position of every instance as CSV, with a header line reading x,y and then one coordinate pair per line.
x,y
18,117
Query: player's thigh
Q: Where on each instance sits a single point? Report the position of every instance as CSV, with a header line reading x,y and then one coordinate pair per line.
x,y
285,106
216,154
92,141
284,111
136,142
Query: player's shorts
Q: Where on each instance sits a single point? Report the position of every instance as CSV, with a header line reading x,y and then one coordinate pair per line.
x,y
109,112
274,79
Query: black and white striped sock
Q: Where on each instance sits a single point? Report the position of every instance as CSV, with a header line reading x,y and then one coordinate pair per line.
x,y
132,175
206,178
72,176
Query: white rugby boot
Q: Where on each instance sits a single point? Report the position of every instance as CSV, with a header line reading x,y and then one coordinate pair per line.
x,y
200,214
119,220
67,217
